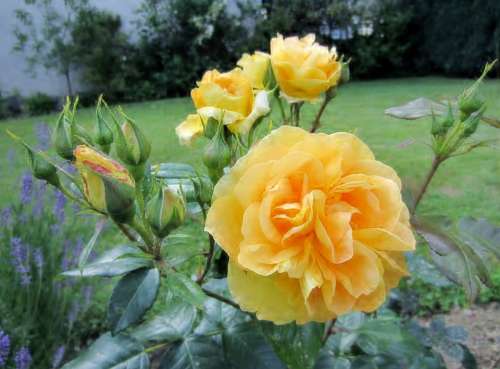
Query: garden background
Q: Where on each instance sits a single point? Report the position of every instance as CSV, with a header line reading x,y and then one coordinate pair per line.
x,y
399,50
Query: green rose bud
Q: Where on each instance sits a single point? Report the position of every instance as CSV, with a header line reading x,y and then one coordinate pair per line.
x,y
103,134
165,211
217,156
471,124
441,126
62,139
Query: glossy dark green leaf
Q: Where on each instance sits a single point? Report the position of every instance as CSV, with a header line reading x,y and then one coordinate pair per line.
x,y
185,243
180,285
173,323
118,261
327,360
195,352
468,360
297,346
134,294
218,315
246,348
112,352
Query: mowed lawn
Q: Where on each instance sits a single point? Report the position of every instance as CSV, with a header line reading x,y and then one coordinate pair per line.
x,y
467,185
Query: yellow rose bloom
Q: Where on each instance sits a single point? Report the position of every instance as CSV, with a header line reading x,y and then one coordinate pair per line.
x,y
255,67
303,68
229,98
190,129
314,227
91,165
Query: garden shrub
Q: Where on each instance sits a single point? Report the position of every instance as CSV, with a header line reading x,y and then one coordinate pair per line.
x,y
40,103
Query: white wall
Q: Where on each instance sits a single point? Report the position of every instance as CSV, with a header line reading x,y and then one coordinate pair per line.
x,y
13,74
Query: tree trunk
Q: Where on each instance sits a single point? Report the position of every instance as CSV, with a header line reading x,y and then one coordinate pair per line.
x,y
68,83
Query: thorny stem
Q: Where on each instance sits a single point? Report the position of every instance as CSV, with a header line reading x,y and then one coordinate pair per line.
x,y
221,298
436,162
328,330
208,262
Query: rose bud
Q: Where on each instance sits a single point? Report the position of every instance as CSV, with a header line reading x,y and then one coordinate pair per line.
x,y
103,134
217,156
107,185
62,138
471,124
165,211
132,147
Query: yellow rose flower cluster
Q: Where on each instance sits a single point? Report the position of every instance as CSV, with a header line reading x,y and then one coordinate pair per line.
x,y
314,227
302,70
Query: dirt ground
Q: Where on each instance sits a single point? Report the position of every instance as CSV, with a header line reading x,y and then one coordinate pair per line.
x,y
483,325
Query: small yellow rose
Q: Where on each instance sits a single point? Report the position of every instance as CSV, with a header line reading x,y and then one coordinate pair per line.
x,y
303,68
229,98
190,129
92,165
314,227
255,67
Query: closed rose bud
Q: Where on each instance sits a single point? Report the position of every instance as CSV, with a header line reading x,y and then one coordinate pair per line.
x,y
42,169
165,211
469,104
132,147
107,184
216,156
103,134
62,139
471,124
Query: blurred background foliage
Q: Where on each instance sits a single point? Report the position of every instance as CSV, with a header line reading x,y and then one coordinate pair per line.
x,y
174,41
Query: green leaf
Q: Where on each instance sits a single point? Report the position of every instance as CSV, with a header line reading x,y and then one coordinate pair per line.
x,y
82,260
134,294
464,251
418,108
246,348
297,345
173,323
327,361
183,287
196,352
112,352
118,261
184,244
468,361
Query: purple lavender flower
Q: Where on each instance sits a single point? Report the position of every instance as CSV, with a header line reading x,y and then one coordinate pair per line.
x,y
4,348
65,261
58,357
26,188
40,199
43,136
59,206
73,313
23,358
19,254
39,261
6,217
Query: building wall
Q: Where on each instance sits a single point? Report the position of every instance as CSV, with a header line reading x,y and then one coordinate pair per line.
x,y
13,68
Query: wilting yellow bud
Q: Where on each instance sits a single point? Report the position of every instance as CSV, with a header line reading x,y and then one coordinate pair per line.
x,y
255,67
107,184
303,68
165,211
229,99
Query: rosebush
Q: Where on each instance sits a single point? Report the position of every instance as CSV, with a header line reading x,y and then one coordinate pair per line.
x,y
306,234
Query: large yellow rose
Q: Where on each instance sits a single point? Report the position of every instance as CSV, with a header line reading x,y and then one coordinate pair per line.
x,y
314,227
303,68
229,98
255,67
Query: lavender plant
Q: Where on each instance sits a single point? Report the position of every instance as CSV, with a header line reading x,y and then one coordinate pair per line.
x,y
40,236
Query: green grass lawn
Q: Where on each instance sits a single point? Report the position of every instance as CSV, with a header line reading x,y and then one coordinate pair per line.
x,y
468,185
